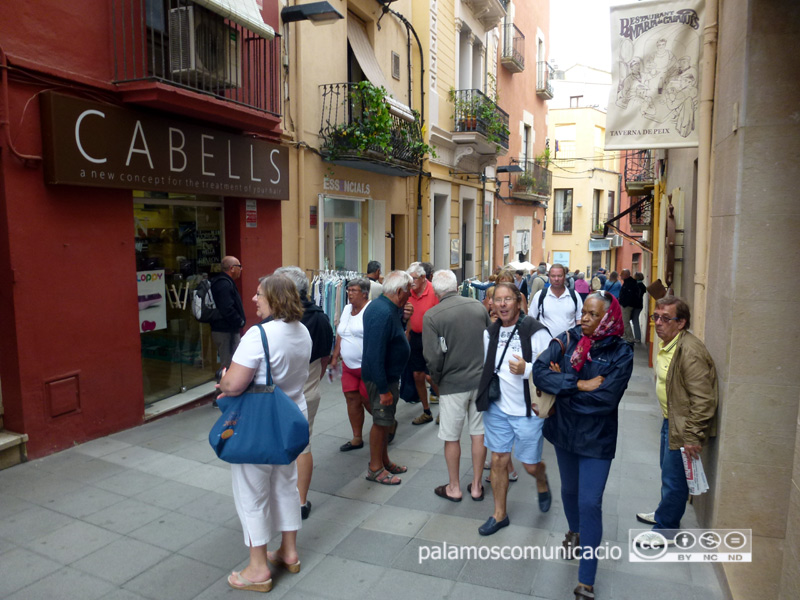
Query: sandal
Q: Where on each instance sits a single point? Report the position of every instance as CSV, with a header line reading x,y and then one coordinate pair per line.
x,y
279,561
383,477
395,469
238,582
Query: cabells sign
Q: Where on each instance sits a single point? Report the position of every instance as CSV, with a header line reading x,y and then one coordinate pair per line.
x,y
103,145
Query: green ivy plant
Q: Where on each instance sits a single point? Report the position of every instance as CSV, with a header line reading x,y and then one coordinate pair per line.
x,y
372,126
526,181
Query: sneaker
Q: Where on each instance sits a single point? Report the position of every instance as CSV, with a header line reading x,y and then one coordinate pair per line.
x,y
653,539
433,399
422,419
649,518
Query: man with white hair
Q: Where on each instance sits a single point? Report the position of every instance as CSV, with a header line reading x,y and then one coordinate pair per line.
x,y
385,355
319,327
452,335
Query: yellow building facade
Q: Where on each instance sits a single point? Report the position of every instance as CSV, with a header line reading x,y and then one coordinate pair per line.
x,y
586,190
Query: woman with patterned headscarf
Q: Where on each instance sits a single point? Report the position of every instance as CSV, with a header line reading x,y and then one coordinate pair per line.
x,y
588,380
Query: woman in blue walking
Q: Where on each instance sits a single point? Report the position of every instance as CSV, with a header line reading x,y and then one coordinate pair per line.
x,y
588,380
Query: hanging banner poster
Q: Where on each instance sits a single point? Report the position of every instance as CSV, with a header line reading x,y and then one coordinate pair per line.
x,y
656,49
152,300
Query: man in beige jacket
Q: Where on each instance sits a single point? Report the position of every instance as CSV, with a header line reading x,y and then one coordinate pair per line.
x,y
686,386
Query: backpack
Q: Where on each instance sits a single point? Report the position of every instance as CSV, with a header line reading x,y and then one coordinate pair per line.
x,y
596,283
204,308
543,294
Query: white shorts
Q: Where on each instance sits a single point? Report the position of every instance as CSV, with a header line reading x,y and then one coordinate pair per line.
x,y
454,409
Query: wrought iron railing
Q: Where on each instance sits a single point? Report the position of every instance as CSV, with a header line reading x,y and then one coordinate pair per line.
x,y
352,127
183,44
599,222
641,217
562,222
514,44
544,73
536,179
474,111
639,167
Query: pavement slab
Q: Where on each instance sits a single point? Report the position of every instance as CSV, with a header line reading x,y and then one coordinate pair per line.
x,y
147,514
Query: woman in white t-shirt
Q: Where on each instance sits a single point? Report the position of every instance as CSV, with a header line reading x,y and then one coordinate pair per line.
x,y
266,496
350,347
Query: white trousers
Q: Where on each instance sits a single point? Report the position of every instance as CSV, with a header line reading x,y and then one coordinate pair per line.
x,y
267,500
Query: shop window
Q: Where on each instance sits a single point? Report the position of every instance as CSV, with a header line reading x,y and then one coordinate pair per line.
x,y
342,235
178,243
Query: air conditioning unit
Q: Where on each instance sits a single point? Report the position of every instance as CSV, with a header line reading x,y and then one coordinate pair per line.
x,y
203,50
617,241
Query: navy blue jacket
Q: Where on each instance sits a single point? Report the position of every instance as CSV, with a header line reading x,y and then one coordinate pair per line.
x,y
229,305
386,348
585,423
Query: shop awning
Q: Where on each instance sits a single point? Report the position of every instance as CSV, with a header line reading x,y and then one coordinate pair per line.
x,y
241,12
365,56
600,245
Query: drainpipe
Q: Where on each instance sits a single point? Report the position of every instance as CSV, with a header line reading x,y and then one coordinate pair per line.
x,y
301,155
704,161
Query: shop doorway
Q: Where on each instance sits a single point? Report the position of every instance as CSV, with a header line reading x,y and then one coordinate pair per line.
x,y
341,235
178,244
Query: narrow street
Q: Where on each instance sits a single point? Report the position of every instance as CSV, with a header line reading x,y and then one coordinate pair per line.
x,y
148,513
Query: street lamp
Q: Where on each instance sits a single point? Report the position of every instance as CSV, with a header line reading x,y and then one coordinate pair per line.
x,y
319,13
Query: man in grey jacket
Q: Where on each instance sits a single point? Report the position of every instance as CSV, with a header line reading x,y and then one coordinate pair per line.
x,y
452,335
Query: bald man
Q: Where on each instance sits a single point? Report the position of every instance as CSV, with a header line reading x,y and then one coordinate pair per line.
x,y
226,329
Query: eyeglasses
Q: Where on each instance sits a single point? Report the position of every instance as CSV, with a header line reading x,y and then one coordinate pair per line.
x,y
260,295
655,318
240,266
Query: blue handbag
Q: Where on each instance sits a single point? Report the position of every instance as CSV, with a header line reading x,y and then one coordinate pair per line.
x,y
262,426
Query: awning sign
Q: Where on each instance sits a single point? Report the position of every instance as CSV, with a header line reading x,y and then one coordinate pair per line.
x,y
656,49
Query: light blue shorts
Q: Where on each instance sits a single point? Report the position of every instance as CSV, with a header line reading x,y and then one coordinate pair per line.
x,y
504,432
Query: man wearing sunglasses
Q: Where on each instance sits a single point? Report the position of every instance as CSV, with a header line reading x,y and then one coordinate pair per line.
x,y
686,386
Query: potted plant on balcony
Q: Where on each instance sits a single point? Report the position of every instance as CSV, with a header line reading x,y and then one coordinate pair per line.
x,y
526,182
465,113
369,126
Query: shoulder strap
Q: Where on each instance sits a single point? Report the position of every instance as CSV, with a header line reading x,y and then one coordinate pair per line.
x,y
574,298
265,343
508,341
542,294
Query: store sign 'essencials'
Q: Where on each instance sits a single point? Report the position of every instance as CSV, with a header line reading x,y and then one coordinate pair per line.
x,y
102,145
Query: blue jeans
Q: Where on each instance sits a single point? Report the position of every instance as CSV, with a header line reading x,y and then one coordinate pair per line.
x,y
674,489
583,481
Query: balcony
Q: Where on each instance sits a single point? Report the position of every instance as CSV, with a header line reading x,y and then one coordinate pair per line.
x,y
544,74
513,57
534,184
639,172
479,122
488,12
364,129
598,224
641,217
169,55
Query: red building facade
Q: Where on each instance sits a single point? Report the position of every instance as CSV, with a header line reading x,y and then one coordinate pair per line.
x,y
140,143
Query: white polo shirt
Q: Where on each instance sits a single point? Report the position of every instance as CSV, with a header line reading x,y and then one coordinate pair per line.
x,y
560,312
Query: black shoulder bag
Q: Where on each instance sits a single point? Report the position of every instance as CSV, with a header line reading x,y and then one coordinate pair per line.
x,y
493,392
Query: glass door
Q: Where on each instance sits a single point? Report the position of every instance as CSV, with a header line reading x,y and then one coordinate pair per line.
x,y
178,243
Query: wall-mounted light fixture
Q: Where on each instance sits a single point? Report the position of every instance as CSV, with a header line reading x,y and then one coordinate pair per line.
x,y
319,13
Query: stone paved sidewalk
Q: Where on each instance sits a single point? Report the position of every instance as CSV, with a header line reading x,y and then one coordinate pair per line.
x,y
148,514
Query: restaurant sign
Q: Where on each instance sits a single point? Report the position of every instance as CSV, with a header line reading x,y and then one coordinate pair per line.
x,y
103,145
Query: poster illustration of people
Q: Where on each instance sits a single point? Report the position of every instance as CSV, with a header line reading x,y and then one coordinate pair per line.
x,y
656,48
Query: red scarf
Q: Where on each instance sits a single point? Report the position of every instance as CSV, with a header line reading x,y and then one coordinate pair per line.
x,y
610,324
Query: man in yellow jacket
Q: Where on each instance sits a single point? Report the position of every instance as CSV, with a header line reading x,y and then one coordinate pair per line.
x,y
686,386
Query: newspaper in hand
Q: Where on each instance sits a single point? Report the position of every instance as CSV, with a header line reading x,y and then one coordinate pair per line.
x,y
695,475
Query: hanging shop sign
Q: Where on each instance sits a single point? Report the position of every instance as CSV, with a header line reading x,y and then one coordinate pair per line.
x,y
657,49
100,145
